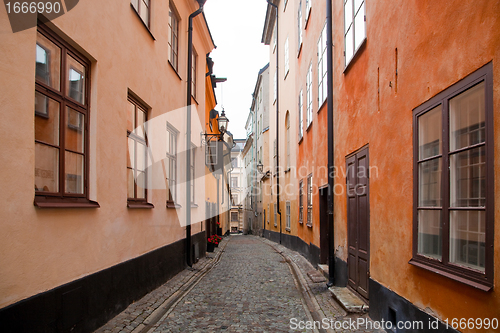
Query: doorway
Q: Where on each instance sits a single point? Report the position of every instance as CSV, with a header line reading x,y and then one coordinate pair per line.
x,y
358,221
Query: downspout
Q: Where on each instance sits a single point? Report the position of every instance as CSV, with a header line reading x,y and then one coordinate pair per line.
x,y
277,115
188,137
331,147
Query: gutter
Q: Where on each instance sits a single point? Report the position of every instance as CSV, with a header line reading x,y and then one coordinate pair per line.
x,y
331,146
189,258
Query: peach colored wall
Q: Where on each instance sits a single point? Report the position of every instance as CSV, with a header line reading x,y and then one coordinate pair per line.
x,y
312,156
439,43
44,248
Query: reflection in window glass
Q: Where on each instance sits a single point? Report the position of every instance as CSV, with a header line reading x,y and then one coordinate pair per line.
x,y
430,233
467,239
48,62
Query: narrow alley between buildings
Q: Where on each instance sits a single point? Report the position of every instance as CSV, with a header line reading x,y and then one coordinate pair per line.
x,y
248,284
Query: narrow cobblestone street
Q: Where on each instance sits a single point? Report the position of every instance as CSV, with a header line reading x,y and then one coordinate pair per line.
x,y
250,290
249,284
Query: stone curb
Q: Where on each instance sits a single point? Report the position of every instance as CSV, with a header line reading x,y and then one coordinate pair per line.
x,y
309,298
135,323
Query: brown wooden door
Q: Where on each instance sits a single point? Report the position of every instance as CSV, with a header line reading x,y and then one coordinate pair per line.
x,y
358,221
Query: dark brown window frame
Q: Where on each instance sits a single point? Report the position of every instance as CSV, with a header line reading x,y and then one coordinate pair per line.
x,y
193,76
309,194
171,200
60,199
173,58
138,202
137,10
301,201
477,279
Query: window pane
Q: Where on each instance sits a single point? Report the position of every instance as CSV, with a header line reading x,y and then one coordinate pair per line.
x,y
349,45
429,183
348,14
141,185
357,4
430,233
74,172
144,12
467,114
130,153
141,156
130,117
430,133
46,168
46,119
468,178
141,119
130,183
467,238
75,132
75,87
359,27
48,62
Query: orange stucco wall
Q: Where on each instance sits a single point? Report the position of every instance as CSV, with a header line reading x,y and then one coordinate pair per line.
x,y
43,248
438,43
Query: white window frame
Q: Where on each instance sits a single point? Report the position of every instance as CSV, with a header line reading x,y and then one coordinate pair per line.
x,y
288,223
275,214
354,21
322,68
309,95
308,9
301,118
275,86
287,58
172,133
299,27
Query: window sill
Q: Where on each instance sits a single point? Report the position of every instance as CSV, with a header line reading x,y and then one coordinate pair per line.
x,y
144,24
288,229
52,202
299,50
193,205
301,139
175,70
309,225
287,170
481,285
308,15
173,205
134,205
309,126
355,56
322,105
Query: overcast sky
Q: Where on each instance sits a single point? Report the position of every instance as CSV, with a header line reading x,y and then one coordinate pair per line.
x,y
236,27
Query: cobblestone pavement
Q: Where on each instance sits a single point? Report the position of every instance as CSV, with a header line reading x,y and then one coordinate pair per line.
x,y
249,284
250,290
322,299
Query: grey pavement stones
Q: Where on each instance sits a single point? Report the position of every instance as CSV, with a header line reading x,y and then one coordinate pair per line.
x,y
329,310
251,289
135,315
249,284
348,300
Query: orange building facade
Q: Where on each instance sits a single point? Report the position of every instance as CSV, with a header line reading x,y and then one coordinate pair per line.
x,y
415,99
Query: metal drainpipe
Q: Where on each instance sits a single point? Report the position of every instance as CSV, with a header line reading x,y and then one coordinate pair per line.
x,y
331,153
277,115
188,137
